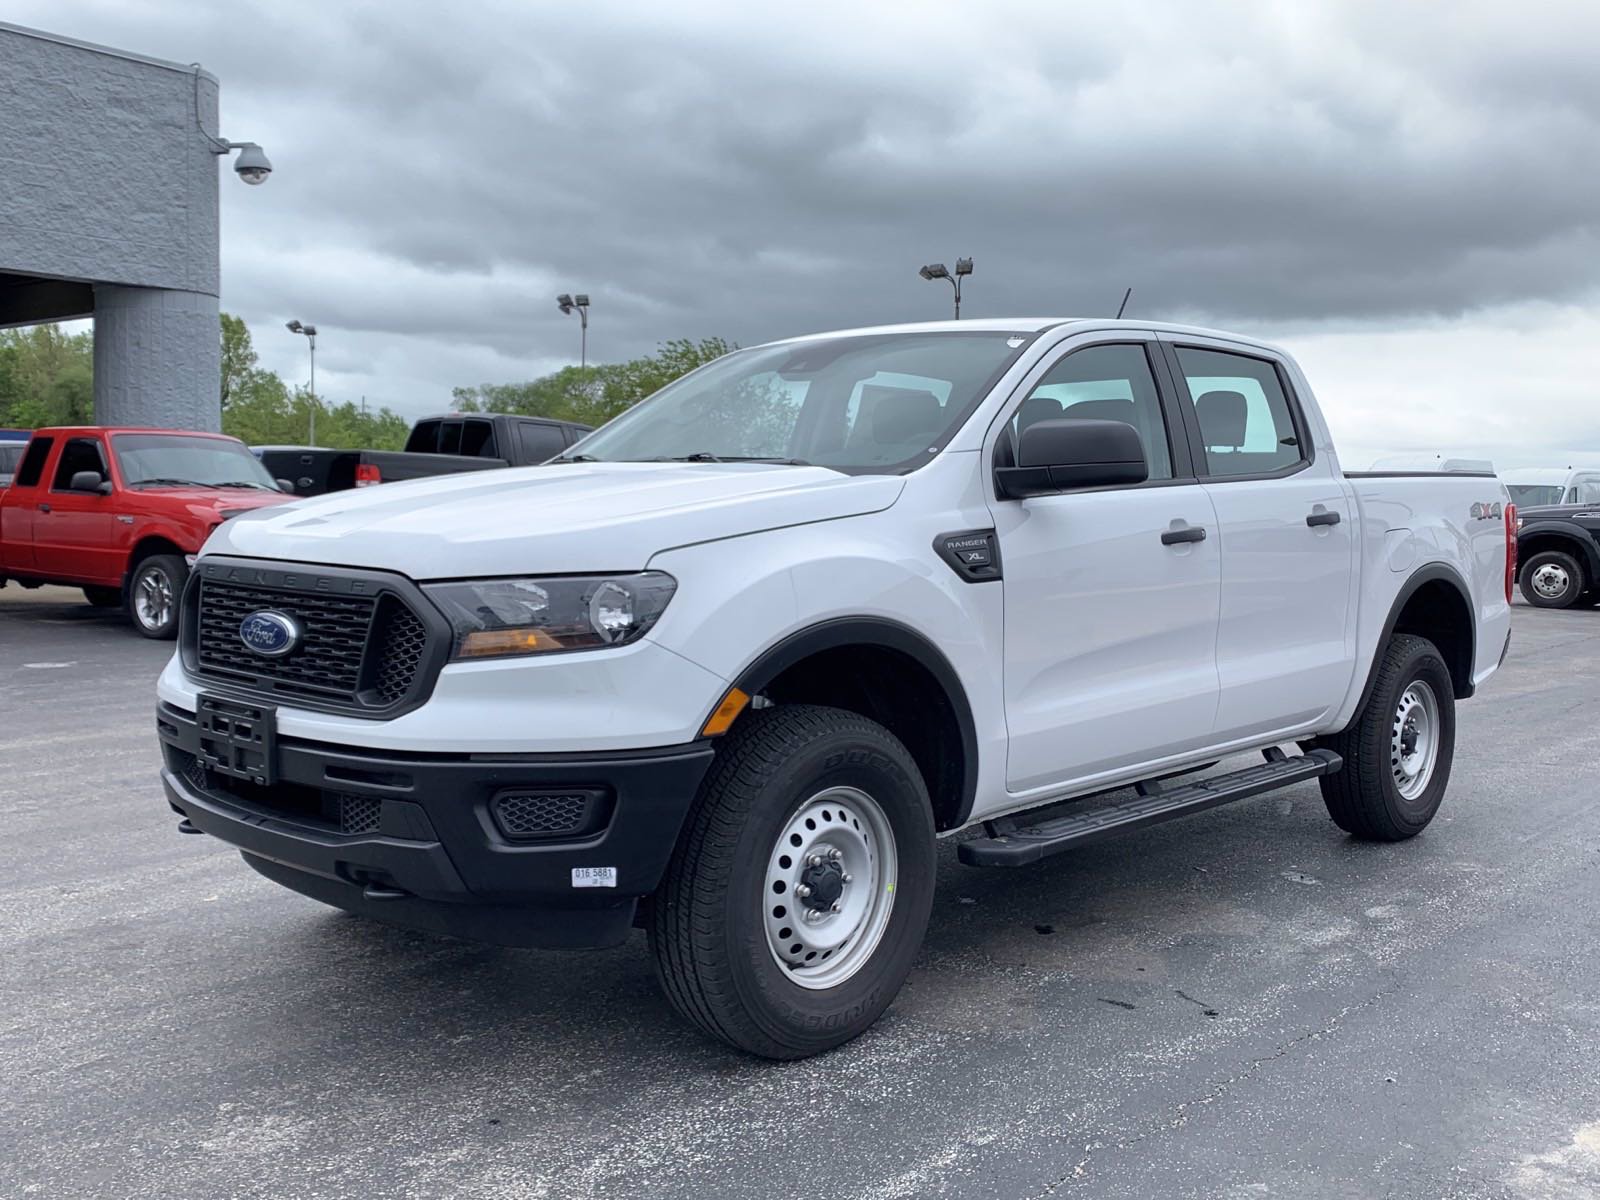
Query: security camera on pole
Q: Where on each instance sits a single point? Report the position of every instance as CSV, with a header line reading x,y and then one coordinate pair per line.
x,y
311,336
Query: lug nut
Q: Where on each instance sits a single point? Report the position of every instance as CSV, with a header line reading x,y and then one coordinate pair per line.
x,y
802,890
835,853
848,878
835,907
814,860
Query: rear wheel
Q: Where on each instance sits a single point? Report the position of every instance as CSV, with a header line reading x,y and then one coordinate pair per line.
x,y
1553,579
153,592
1397,752
798,896
103,597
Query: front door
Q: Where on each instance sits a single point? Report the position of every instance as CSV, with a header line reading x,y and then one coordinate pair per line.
x,y
1286,525
74,532
1110,631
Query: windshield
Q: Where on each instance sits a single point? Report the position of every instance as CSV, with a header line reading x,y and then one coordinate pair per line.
x,y
153,460
871,403
1528,495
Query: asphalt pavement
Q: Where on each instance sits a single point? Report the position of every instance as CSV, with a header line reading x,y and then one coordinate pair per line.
x,y
1245,1003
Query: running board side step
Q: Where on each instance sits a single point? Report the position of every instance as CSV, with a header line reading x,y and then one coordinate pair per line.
x,y
1023,838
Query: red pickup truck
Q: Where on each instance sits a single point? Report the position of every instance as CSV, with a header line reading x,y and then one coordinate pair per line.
x,y
119,513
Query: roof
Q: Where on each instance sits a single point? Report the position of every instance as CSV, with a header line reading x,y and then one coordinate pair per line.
x,y
95,47
1029,325
96,430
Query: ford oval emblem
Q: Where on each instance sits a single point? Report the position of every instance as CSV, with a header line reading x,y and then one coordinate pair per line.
x,y
270,634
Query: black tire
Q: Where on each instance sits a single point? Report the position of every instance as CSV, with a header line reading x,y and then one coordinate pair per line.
x,y
1559,566
166,573
103,597
708,921
1365,797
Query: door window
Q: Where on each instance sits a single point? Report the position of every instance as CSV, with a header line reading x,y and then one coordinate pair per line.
x,y
32,468
1103,383
477,440
539,442
1246,424
79,454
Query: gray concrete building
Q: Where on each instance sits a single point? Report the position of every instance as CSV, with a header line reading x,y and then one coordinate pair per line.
x,y
108,209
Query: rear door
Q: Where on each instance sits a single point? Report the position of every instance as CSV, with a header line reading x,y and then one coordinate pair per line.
x,y
538,441
19,507
1110,631
1286,528
73,534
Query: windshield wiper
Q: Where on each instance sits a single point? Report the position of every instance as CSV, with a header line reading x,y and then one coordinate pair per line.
x,y
563,458
164,481
249,483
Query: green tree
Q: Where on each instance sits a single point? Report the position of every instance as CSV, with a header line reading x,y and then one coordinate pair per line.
x,y
593,395
238,358
46,377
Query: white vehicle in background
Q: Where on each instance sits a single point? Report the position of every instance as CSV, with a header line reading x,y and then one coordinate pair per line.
x,y
730,666
1539,487
1409,463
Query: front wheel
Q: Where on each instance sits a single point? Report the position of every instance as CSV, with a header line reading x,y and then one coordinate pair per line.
x,y
1552,579
798,896
1398,750
153,592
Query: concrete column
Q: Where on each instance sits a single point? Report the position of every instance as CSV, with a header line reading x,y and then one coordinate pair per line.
x,y
157,358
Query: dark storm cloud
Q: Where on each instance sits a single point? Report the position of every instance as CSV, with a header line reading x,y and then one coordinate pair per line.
x,y
734,170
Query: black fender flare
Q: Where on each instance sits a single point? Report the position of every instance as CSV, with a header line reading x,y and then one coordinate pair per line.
x,y
891,635
1428,573
1581,547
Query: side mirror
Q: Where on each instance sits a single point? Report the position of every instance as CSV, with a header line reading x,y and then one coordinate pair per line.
x,y
90,481
1072,453
285,485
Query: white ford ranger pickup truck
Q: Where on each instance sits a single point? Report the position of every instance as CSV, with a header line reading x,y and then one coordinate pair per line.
x,y
731,665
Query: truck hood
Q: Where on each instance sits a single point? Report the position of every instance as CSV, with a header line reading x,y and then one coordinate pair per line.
x,y
560,519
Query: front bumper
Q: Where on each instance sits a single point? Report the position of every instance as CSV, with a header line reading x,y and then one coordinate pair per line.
x,y
426,851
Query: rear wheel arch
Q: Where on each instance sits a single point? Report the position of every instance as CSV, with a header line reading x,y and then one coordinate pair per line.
x,y
1559,538
1434,604
891,674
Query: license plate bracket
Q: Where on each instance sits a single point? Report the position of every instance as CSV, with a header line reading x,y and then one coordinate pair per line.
x,y
238,739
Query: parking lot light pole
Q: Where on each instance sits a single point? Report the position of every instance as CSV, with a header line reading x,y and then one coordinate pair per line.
x,y
578,304
311,336
939,271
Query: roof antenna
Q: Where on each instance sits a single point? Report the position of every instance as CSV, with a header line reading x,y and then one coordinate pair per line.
x,y
1124,303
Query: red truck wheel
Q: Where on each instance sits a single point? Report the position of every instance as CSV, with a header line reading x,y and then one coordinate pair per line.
x,y
153,592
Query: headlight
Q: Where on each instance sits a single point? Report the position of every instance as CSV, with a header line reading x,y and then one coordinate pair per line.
x,y
492,618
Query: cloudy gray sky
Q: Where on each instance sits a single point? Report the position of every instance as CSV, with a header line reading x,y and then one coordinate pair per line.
x,y
1404,193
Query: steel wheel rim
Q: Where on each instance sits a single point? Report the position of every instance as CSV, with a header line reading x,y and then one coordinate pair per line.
x,y
1551,580
839,837
1414,739
152,599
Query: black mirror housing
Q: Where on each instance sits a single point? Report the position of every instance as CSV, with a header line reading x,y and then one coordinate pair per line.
x,y
1058,455
89,481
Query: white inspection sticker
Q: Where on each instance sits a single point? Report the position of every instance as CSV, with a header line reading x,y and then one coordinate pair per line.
x,y
594,877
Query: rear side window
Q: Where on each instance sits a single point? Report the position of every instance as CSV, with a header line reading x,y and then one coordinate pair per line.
x,y
79,454
477,439
539,442
424,438
1103,383
1246,424
33,462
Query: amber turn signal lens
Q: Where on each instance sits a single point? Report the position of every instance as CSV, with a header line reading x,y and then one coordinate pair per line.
x,y
481,643
732,705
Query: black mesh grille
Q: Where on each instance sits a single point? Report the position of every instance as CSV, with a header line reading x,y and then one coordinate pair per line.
x,y
358,652
359,814
327,662
540,815
402,640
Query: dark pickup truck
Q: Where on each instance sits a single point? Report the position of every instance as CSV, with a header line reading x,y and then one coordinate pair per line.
x,y
1558,547
442,445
